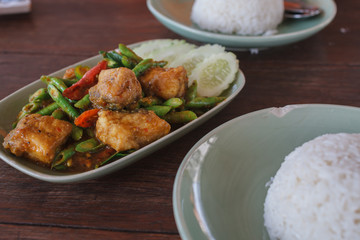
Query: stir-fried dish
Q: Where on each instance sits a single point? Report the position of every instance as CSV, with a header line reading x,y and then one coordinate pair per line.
x,y
91,116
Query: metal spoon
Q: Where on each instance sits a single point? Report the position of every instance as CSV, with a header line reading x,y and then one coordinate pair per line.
x,y
299,9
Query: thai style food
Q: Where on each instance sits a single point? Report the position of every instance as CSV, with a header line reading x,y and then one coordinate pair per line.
x,y
316,192
95,114
242,17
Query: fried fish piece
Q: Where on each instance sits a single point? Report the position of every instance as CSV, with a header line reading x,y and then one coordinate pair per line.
x,y
37,137
165,82
116,88
130,130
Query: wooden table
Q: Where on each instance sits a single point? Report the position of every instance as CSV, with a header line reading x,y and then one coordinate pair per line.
x,y
136,202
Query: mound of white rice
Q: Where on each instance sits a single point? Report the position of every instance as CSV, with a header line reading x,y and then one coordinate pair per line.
x,y
243,17
316,192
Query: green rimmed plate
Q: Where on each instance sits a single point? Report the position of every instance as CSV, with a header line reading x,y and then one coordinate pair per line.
x,y
11,105
219,190
175,15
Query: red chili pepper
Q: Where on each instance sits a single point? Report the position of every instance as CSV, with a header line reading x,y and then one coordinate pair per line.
x,y
87,118
81,88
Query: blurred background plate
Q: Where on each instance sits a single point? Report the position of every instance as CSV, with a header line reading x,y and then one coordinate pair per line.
x,y
175,15
219,190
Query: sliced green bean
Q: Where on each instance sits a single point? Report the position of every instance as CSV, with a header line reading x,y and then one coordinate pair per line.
x,y
58,114
149,101
49,109
145,64
58,83
191,92
62,102
116,155
124,50
142,66
89,145
60,159
68,82
173,102
77,133
204,102
180,117
39,96
83,103
161,111
121,59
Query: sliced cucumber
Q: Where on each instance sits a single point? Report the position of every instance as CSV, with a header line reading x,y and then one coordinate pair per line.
x,y
191,59
215,74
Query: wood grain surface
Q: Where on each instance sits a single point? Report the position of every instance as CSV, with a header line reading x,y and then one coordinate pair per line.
x,y
136,202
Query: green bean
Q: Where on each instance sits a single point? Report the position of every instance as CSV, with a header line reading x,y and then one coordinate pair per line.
x,y
204,102
39,96
173,102
121,59
90,132
124,50
89,145
77,133
191,92
142,66
49,109
161,111
83,103
58,113
115,155
58,83
62,102
180,117
149,101
63,157
145,64
68,82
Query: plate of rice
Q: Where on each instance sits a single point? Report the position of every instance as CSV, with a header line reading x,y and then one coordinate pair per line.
x,y
277,173
239,24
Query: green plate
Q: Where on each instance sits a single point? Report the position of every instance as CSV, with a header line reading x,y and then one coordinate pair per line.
x,y
175,15
11,105
219,190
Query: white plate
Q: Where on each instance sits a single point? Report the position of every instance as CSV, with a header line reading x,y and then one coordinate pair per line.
x,y
175,15
219,190
11,105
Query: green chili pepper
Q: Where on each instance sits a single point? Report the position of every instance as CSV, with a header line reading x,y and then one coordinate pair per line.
x,y
80,71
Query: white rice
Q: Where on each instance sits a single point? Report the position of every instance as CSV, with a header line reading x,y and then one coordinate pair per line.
x,y
243,17
316,192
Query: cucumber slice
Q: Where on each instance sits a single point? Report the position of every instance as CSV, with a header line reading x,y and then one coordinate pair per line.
x,y
190,60
145,49
215,74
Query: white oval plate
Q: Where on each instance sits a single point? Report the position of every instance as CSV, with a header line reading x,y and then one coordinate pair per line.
x,y
219,190
11,105
175,15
